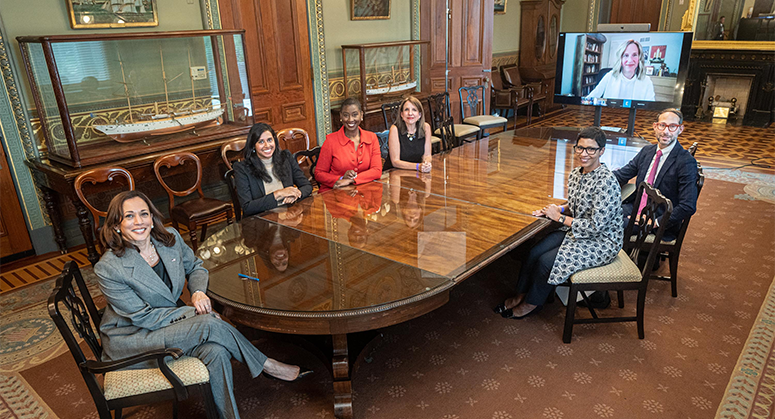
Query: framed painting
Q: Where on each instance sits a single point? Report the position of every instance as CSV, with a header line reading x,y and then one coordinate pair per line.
x,y
369,9
94,14
500,7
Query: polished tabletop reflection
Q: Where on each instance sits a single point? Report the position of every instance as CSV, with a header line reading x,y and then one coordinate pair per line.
x,y
267,265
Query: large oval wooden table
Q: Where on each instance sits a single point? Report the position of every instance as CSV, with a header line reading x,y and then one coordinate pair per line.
x,y
363,258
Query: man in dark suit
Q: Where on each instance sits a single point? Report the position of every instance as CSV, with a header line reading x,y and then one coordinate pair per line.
x,y
675,169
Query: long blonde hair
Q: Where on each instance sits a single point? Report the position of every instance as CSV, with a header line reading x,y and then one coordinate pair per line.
x,y
420,124
640,73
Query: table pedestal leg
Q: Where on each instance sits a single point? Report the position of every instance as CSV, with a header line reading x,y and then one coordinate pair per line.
x,y
86,230
50,196
343,391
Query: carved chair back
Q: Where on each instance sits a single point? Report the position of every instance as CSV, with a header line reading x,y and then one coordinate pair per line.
x,y
471,104
438,107
390,113
101,175
176,159
293,139
233,146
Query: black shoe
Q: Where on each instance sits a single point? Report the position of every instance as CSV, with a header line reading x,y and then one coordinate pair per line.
x,y
598,299
534,311
500,309
303,372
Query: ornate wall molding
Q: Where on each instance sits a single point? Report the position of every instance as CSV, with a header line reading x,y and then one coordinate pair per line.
x,y
320,83
18,138
211,14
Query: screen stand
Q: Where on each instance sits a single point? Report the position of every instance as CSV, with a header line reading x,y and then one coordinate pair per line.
x,y
630,120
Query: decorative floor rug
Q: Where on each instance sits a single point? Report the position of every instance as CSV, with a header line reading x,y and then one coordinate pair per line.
x,y
463,361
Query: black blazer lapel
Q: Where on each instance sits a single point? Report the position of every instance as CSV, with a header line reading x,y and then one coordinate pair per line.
x,y
170,256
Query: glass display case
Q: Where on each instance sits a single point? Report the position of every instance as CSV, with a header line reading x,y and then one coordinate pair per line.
x,y
386,69
104,97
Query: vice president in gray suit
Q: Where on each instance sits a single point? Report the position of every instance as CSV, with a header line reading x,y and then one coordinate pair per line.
x,y
142,275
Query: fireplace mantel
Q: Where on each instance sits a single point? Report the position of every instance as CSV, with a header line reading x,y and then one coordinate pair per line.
x,y
759,64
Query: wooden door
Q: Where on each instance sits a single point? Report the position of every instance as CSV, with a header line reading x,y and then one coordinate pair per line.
x,y
13,230
470,45
277,44
636,11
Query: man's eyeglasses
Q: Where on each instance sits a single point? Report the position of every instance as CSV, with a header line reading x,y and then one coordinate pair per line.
x,y
670,127
589,150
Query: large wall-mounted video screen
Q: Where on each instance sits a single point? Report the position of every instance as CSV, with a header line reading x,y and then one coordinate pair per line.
x,y
641,70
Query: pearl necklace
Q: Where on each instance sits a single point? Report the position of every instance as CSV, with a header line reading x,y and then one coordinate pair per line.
x,y
153,257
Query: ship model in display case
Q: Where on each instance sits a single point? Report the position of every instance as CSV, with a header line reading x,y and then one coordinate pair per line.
x,y
105,97
381,71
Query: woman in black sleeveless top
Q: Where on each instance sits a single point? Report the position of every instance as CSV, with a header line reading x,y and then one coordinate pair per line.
x,y
409,140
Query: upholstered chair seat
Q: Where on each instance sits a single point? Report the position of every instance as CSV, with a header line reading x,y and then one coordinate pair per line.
x,y
622,269
199,208
461,130
485,120
127,383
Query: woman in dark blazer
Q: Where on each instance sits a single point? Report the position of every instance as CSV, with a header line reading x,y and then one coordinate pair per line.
x,y
268,176
142,275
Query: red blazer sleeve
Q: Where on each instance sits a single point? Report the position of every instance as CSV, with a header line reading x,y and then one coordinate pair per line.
x,y
323,172
375,168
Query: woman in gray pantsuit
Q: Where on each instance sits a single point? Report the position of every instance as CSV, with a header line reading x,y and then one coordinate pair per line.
x,y
142,275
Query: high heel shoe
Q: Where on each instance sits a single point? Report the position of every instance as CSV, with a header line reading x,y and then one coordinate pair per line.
x,y
303,372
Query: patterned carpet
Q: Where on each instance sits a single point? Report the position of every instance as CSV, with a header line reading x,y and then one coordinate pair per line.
x,y
462,361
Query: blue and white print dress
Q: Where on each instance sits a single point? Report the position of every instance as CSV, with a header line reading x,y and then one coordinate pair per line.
x,y
596,233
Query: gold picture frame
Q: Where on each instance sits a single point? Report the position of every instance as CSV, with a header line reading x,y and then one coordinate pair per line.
x,y
369,9
95,14
500,7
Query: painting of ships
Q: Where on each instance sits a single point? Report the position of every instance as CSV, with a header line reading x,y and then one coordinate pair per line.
x,y
160,123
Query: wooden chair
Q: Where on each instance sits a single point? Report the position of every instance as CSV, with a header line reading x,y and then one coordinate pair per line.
x,y
453,134
536,91
194,212
100,175
623,273
233,146
390,113
671,250
293,139
308,159
693,148
472,106
502,99
232,184
121,388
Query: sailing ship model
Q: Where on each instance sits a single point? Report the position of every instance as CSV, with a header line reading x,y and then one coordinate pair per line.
x,y
389,87
160,123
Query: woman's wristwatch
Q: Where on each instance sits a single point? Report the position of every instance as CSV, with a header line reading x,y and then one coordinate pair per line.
x,y
562,218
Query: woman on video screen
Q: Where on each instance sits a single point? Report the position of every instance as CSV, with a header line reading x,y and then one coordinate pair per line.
x,y
628,78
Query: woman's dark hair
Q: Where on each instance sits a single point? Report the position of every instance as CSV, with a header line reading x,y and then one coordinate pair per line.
x,y
279,166
593,133
351,101
114,240
419,125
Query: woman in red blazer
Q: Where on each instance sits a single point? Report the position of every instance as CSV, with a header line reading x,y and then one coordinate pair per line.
x,y
350,156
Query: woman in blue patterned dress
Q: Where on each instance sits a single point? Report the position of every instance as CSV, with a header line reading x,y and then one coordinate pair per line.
x,y
591,234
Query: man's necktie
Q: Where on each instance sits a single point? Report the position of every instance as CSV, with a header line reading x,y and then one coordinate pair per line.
x,y
650,180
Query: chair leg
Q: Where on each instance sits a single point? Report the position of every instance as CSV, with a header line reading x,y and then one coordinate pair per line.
x,y
530,112
620,297
117,414
673,272
192,235
175,409
639,315
570,313
207,393
229,216
204,232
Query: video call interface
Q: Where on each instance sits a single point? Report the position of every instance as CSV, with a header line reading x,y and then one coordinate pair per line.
x,y
628,70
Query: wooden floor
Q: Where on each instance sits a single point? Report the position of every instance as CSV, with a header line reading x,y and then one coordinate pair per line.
x,y
720,145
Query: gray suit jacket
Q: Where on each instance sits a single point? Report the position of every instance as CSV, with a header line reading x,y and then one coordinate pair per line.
x,y
138,300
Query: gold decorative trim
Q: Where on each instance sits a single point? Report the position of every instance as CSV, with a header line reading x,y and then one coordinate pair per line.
x,y
735,45
379,17
75,24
